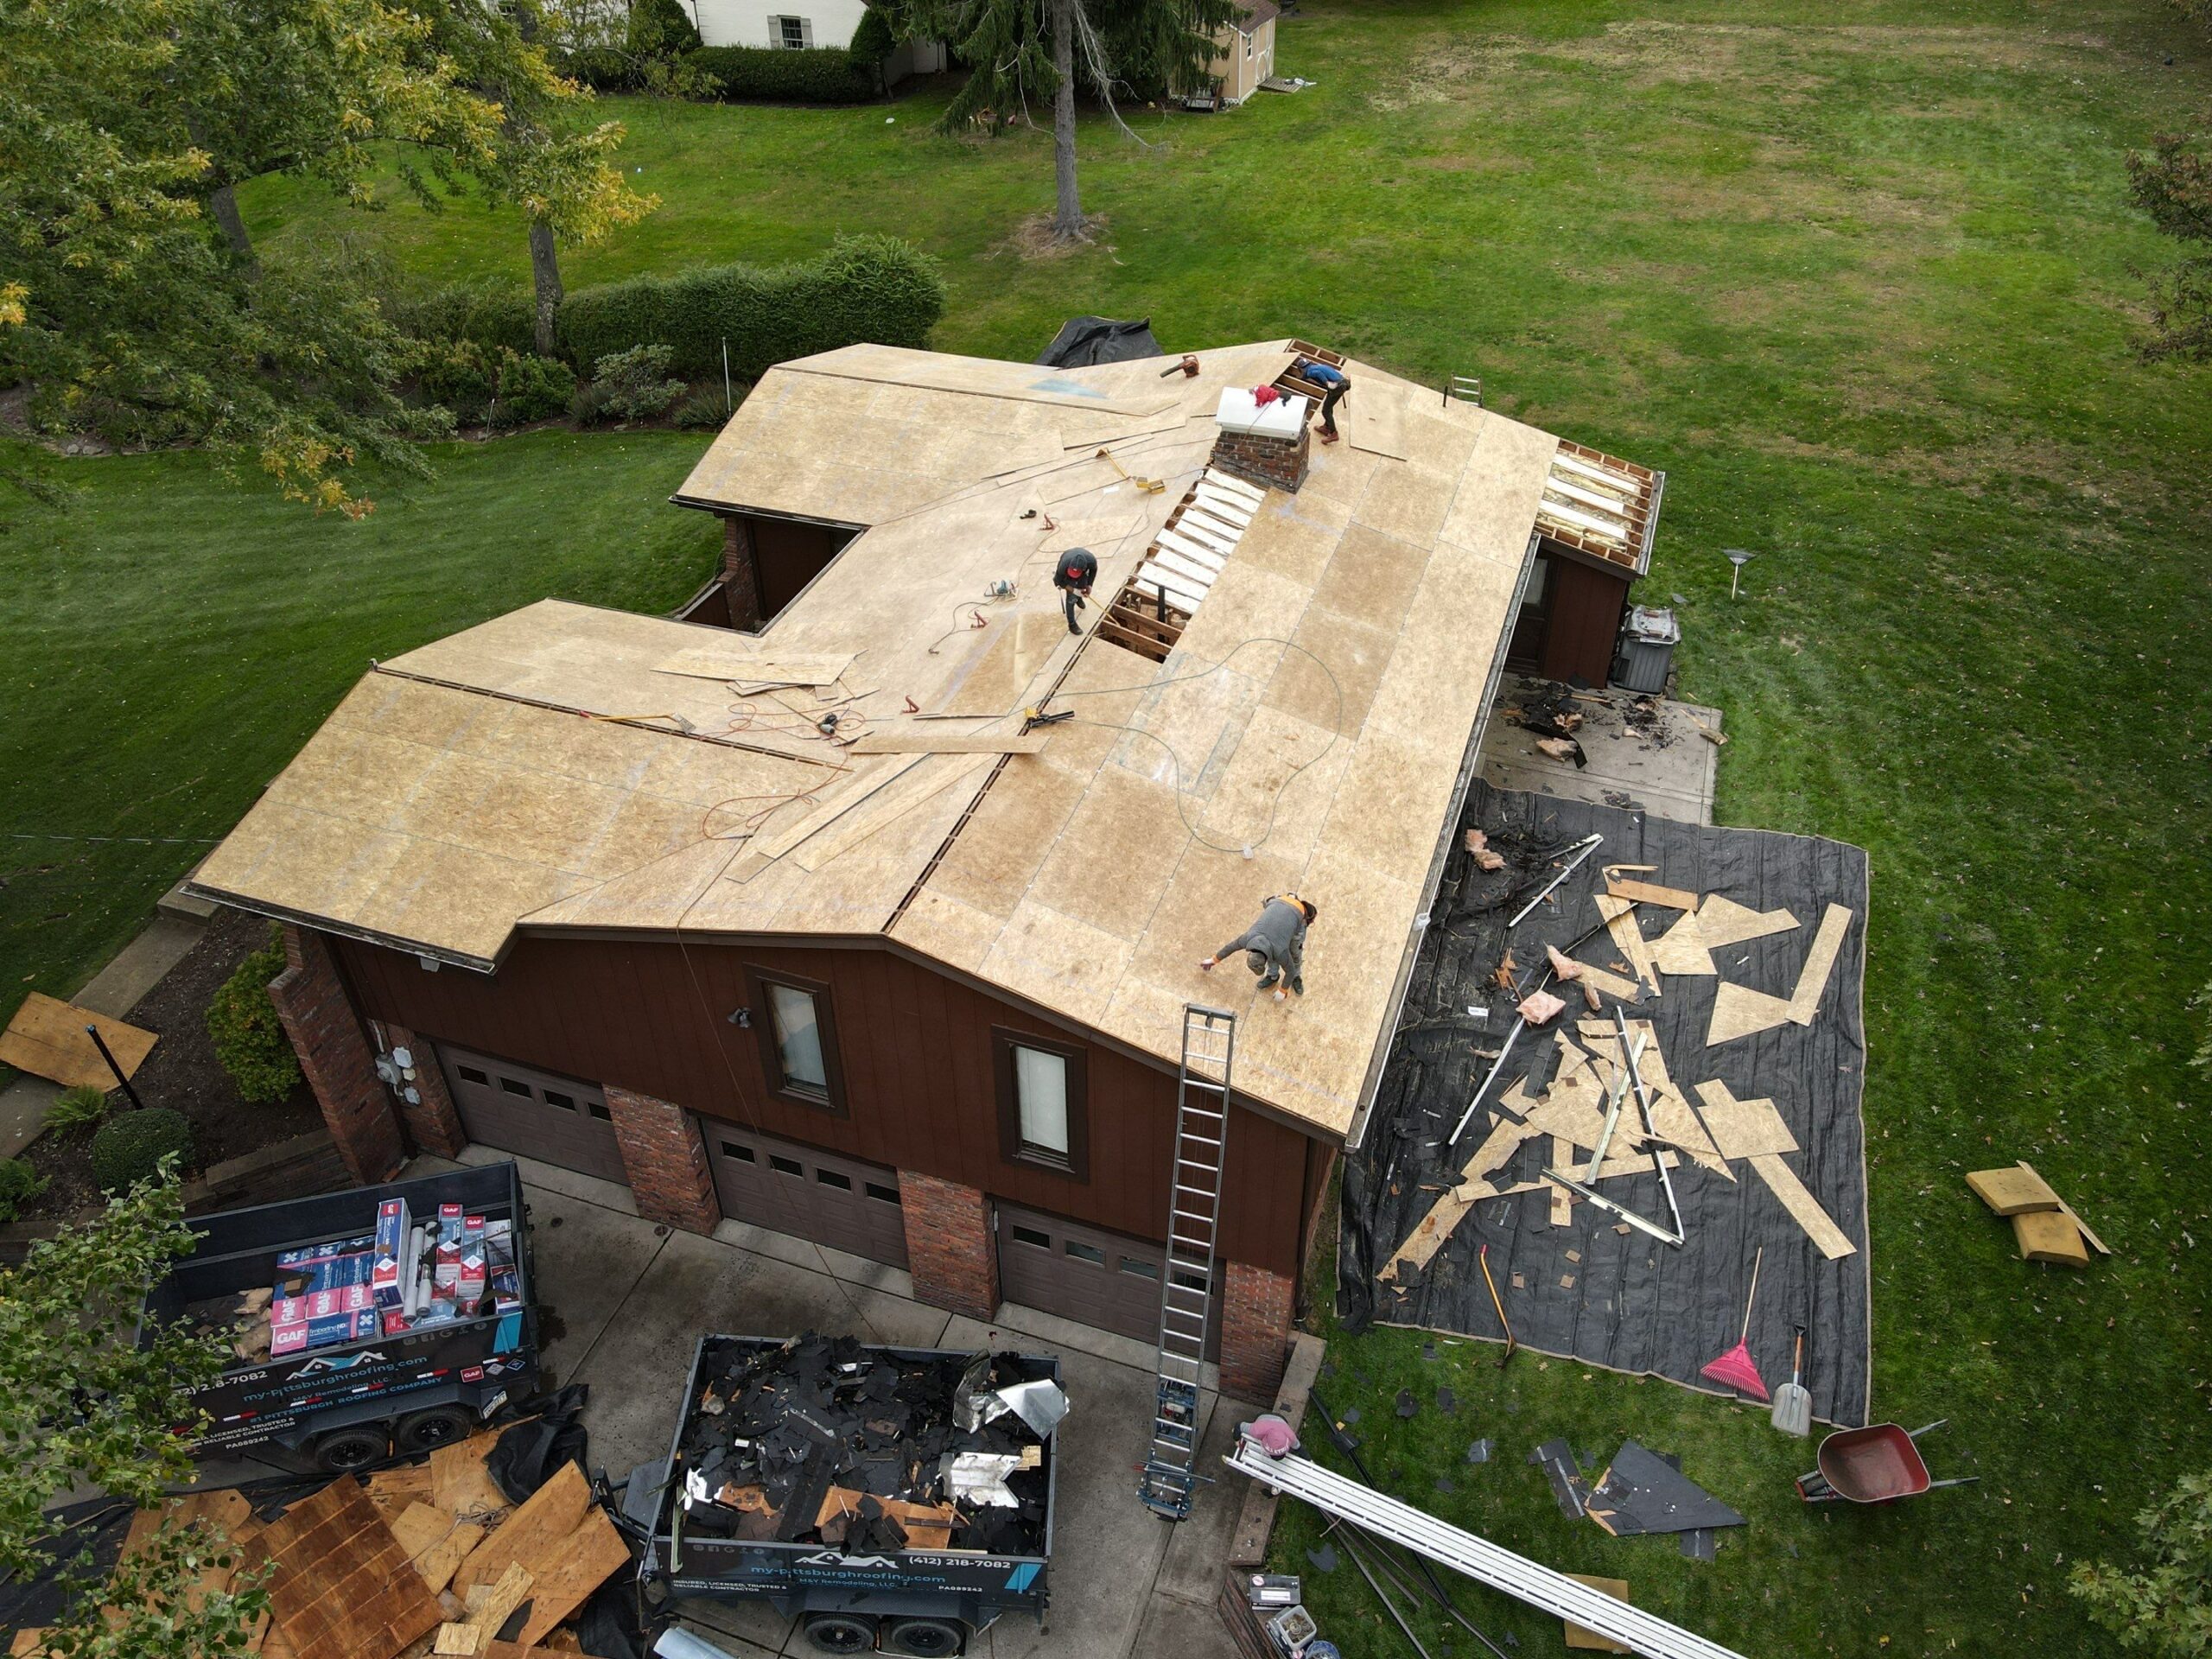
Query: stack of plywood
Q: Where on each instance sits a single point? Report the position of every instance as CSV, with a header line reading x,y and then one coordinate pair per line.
x,y
2044,1227
422,1562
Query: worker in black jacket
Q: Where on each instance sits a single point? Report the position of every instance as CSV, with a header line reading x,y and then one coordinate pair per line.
x,y
1073,575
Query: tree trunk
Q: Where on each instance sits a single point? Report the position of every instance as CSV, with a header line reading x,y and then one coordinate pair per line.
x,y
1067,217
545,273
223,208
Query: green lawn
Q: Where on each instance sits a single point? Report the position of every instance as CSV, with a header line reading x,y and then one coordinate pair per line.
x,y
1862,278
171,639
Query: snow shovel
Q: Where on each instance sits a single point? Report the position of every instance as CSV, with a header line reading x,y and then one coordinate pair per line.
x,y
1736,1368
1793,1406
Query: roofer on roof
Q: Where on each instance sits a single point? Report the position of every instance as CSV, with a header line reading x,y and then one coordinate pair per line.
x,y
1077,569
1274,945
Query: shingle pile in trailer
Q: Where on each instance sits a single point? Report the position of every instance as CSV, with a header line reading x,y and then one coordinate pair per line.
x,y
820,1440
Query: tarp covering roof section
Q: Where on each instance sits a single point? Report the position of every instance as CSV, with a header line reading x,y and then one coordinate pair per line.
x,y
1084,341
564,767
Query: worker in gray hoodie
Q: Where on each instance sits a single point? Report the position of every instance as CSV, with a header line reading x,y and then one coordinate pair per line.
x,y
1274,945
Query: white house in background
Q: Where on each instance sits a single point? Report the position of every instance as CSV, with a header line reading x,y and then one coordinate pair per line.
x,y
798,24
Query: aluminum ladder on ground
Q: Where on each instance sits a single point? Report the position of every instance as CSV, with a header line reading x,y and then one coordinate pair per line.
x,y
1463,1552
1185,1285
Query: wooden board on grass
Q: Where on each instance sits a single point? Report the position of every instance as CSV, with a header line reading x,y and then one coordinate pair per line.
x,y
2049,1235
46,1039
2013,1192
1590,1640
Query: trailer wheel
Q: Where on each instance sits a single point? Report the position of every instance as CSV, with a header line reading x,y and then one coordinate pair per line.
x,y
925,1638
840,1632
345,1450
426,1431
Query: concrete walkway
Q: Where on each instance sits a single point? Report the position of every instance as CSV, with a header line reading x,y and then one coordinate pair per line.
x,y
1669,771
114,991
627,1301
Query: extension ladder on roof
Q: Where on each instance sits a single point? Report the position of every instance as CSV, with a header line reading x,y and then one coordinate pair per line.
x,y
1193,1213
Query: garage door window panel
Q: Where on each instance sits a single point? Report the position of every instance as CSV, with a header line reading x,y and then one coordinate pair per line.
x,y
796,1028
1043,1118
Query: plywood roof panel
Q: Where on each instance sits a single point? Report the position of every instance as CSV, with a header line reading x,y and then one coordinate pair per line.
x,y
447,816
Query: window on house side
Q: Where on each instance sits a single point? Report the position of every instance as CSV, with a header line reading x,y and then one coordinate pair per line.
x,y
798,1039
1040,1085
792,34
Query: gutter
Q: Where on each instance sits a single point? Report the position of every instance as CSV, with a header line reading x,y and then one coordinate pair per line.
x,y
1381,1058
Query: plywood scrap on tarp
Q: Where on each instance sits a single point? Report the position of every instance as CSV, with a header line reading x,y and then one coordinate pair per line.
x,y
46,1039
1739,1010
1627,933
340,1586
1722,921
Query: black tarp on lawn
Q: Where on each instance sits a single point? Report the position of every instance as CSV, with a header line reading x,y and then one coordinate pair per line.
x,y
1634,1305
1084,341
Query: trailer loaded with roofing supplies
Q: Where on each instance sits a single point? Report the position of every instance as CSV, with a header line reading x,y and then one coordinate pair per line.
x,y
894,1498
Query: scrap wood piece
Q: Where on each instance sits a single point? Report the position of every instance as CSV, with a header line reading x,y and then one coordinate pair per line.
x,y
1804,1209
1584,1640
488,1612
566,1576
901,741
1682,949
2013,1191
1627,933
1723,921
460,1484
1649,893
1562,1201
742,668
393,1490
831,805
1738,1012
1744,1129
443,1560
1443,1215
549,1515
46,1039
340,1586
1820,964
891,804
2049,1235
420,1528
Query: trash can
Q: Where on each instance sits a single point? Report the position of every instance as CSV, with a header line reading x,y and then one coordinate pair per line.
x,y
1647,649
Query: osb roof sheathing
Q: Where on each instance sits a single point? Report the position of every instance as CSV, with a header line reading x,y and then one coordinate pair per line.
x,y
1306,734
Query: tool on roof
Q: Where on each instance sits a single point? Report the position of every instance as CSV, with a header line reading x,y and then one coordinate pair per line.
x,y
1188,368
1737,1368
1793,1406
1511,1341
1149,485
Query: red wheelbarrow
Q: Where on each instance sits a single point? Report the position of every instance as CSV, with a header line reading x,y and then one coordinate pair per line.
x,y
1878,1464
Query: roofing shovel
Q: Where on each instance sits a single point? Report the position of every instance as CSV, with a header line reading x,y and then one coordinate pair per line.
x,y
1736,1368
1793,1406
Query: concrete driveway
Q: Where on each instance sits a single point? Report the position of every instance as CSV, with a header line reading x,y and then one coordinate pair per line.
x,y
626,1302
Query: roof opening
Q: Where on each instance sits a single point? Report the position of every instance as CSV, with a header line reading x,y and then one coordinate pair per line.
x,y
1178,570
768,561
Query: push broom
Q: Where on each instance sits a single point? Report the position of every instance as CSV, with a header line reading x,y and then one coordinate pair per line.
x,y
1736,1368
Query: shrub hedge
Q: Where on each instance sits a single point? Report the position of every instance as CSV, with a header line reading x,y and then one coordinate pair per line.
x,y
130,1148
488,314
247,1036
865,288
822,74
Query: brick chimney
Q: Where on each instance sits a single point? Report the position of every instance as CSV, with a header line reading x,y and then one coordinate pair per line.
x,y
1269,444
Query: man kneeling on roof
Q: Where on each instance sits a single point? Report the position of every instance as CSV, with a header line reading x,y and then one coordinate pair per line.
x,y
1274,945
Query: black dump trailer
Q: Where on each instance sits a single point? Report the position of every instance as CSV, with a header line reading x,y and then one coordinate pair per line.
x,y
431,1375
839,1483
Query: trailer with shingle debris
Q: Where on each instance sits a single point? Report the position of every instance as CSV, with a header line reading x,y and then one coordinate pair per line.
x,y
896,1499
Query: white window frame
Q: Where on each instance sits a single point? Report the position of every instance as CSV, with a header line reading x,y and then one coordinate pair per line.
x,y
779,37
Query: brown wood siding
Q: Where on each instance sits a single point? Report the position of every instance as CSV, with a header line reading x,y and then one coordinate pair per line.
x,y
789,555
916,1052
1585,620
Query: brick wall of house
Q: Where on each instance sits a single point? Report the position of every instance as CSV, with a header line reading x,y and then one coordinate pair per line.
x,y
335,1056
666,1161
950,1249
432,1122
741,579
1276,463
1256,1308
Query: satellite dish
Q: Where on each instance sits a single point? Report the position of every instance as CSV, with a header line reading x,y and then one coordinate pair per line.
x,y
1739,558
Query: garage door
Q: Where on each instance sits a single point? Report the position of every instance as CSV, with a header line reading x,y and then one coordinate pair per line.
x,y
1084,1273
789,1188
536,1113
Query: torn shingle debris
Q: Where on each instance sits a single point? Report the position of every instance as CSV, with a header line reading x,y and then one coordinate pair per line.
x,y
820,1440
